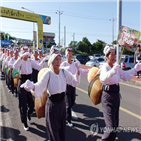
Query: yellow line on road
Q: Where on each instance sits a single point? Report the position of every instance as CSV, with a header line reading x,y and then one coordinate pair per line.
x,y
122,109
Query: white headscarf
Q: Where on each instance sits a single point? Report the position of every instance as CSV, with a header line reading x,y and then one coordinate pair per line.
x,y
67,51
54,49
53,56
108,48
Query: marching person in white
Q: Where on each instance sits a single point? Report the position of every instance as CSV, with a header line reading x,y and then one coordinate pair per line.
x,y
25,65
10,65
3,57
70,90
110,77
5,62
54,80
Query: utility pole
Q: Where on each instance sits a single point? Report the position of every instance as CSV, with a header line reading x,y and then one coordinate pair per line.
x,y
73,36
113,19
119,23
59,12
64,36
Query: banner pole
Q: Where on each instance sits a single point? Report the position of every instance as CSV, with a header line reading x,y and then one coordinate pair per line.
x,y
121,55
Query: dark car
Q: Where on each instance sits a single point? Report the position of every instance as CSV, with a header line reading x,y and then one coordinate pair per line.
x,y
82,58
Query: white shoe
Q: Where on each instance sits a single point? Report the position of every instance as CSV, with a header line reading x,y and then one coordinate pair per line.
x,y
12,94
30,121
26,128
70,124
137,76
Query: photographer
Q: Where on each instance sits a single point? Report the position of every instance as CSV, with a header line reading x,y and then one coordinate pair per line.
x,y
137,57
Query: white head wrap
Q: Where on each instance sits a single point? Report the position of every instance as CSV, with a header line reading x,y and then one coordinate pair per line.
x,y
53,56
67,51
54,49
107,49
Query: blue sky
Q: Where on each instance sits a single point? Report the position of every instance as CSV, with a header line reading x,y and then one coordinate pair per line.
x,y
86,19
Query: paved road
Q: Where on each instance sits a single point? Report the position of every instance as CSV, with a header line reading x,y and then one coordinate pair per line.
x,y
87,114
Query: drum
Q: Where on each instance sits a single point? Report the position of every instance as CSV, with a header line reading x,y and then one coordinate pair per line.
x,y
1,62
95,90
8,71
92,73
15,75
40,102
5,67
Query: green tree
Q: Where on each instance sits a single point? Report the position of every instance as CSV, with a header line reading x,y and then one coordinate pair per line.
x,y
6,34
114,42
84,46
49,44
98,47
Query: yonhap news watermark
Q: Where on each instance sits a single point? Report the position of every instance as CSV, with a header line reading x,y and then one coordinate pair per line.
x,y
95,129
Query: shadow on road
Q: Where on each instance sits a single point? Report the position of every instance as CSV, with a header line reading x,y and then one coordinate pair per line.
x,y
129,136
3,109
6,134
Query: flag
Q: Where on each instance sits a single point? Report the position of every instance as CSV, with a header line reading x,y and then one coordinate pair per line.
x,y
128,38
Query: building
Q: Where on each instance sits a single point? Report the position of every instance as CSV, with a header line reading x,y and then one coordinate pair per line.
x,y
46,37
27,42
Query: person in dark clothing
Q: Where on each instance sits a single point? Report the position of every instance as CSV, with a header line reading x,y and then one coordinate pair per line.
x,y
137,57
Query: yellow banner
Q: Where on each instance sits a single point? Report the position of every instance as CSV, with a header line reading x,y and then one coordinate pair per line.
x,y
27,16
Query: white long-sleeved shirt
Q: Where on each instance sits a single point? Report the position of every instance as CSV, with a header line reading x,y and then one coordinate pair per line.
x,y
55,83
26,66
2,56
11,62
7,60
107,78
72,68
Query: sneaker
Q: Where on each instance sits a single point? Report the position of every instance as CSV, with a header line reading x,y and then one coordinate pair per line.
x,y
10,90
70,124
137,76
12,94
26,128
29,119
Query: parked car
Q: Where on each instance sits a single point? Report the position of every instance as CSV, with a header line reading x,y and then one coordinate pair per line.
x,y
95,62
64,58
96,56
82,58
91,57
127,62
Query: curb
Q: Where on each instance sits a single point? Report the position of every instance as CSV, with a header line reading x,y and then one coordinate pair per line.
x,y
132,82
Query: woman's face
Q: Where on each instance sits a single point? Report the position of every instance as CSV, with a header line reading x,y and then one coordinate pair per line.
x,y
36,54
112,56
69,55
57,61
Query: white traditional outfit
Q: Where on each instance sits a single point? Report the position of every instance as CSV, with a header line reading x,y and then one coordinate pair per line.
x,y
110,78
10,65
25,98
70,90
55,110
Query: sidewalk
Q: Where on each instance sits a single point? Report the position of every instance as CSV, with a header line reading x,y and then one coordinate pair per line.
x,y
133,81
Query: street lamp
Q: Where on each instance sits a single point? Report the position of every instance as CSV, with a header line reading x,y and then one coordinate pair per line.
x,y
59,12
33,22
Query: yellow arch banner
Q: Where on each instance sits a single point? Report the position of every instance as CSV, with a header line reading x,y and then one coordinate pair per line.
x,y
27,16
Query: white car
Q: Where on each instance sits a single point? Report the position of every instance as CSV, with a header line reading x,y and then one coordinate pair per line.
x,y
95,62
